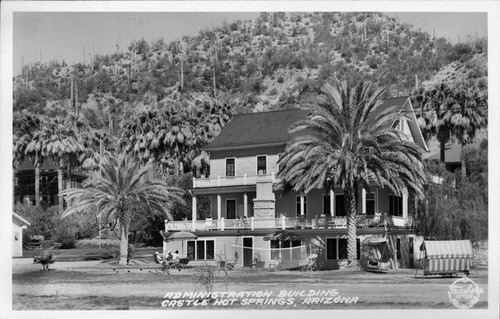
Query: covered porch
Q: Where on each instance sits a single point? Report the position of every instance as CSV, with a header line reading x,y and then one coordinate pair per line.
x,y
283,222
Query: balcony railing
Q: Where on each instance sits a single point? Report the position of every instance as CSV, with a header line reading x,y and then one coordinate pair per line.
x,y
231,180
288,223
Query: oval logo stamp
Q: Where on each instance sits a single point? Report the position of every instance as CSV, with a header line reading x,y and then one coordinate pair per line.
x,y
464,293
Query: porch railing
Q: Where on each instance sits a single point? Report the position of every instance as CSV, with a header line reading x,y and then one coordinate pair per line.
x,y
231,180
363,221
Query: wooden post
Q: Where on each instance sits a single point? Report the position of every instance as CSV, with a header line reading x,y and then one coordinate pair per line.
x,y
193,213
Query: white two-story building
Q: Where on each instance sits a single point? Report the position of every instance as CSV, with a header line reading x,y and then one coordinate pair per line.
x,y
246,206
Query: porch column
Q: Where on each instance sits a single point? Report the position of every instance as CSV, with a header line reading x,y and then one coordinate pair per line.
x,y
301,205
332,202
219,211
405,204
193,213
363,201
245,204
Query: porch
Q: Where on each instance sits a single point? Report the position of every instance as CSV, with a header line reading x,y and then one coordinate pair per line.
x,y
318,222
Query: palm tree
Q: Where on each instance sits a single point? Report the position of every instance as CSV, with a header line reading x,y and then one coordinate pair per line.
x,y
467,115
119,190
459,111
347,140
64,144
29,142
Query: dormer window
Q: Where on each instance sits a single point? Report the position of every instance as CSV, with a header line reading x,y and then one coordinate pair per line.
x,y
230,167
261,165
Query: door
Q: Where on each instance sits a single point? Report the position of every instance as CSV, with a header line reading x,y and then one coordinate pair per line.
x,y
411,251
247,251
231,209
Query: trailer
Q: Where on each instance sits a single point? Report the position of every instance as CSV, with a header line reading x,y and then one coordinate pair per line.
x,y
445,257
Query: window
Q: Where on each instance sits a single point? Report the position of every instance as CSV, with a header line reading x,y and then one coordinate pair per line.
x,y
395,205
398,248
298,206
339,205
370,204
336,248
286,250
201,249
210,249
261,165
326,204
398,125
231,209
230,167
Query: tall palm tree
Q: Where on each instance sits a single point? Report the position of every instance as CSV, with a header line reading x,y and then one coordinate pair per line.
x,y
466,115
29,141
347,140
65,146
119,190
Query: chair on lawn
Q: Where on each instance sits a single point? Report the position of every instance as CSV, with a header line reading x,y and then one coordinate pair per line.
x,y
231,264
309,263
183,262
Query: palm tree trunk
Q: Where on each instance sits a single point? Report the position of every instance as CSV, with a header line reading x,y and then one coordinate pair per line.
x,y
464,167
37,185
350,202
123,242
60,188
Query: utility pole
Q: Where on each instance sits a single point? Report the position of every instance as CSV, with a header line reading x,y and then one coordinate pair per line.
x,y
76,99
99,217
364,28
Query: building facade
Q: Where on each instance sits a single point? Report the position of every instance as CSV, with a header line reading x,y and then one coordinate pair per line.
x,y
246,207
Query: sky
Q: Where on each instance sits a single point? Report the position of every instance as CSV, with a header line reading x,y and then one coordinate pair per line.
x,y
68,36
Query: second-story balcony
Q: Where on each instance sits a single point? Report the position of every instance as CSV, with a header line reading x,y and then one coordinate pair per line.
x,y
221,181
283,222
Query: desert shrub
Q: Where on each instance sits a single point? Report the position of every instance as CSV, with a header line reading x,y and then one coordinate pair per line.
x,y
206,277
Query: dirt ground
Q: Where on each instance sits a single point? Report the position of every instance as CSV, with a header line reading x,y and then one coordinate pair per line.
x,y
86,285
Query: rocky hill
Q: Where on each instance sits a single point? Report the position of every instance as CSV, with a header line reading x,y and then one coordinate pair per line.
x,y
280,60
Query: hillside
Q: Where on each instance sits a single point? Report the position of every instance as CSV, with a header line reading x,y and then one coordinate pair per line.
x,y
280,60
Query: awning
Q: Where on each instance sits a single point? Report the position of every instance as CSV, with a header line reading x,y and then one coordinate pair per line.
x,y
282,235
441,249
182,235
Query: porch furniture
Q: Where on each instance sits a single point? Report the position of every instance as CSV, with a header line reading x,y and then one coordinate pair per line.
x,y
309,263
445,257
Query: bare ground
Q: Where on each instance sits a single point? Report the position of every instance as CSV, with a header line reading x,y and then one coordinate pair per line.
x,y
86,285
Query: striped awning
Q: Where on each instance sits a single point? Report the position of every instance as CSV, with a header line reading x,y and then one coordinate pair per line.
x,y
282,235
440,249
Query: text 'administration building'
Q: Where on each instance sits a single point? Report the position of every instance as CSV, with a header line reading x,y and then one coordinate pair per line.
x,y
245,206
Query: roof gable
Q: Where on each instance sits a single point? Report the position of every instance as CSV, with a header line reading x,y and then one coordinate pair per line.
x,y
271,128
257,129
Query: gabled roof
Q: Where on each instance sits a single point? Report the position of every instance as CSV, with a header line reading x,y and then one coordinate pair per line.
x,y
257,129
400,101
271,128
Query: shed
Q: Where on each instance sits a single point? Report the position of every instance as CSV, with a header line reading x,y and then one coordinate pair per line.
x,y
18,225
446,257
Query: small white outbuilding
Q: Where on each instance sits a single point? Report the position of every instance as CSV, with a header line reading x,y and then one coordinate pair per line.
x,y
18,225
